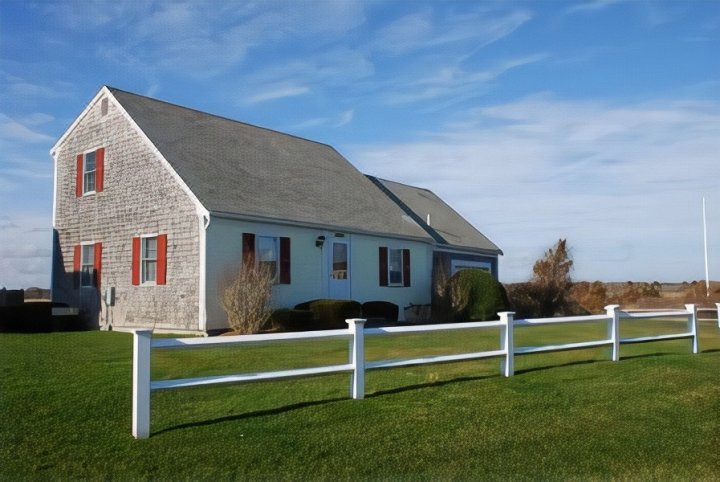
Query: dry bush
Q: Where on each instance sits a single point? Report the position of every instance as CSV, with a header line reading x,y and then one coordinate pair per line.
x,y
246,298
551,279
591,296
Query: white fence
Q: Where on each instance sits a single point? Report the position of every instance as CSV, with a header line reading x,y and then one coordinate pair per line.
x,y
357,365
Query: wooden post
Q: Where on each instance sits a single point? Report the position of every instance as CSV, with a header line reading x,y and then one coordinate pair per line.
x,y
506,342
613,312
357,357
142,340
692,326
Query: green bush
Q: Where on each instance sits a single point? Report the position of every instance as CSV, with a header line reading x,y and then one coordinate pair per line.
x,y
292,320
331,314
380,309
474,295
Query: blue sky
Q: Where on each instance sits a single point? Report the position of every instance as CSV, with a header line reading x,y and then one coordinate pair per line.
x,y
597,121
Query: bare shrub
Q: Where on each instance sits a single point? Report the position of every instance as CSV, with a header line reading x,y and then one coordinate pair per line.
x,y
246,298
591,296
552,279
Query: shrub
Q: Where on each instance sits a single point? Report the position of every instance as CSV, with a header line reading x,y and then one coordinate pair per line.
x,y
380,309
475,295
331,314
292,320
246,298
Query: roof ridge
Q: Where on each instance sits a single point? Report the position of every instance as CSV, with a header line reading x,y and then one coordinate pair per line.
x,y
192,109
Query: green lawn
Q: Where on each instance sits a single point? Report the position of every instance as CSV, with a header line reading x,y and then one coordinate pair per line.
x,y
655,415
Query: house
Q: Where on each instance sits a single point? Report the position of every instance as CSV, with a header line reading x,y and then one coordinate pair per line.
x,y
155,205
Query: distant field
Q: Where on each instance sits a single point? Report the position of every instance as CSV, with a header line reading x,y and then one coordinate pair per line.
x,y
65,412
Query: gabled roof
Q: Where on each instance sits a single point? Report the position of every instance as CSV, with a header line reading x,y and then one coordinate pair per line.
x,y
239,169
438,219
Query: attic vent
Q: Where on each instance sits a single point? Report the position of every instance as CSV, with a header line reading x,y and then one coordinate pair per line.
x,y
104,107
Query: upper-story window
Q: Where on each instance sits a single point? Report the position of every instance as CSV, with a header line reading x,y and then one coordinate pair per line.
x,y
90,173
148,258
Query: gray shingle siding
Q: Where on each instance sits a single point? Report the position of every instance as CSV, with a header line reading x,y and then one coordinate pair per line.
x,y
140,196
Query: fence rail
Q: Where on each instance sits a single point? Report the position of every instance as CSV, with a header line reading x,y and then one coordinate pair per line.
x,y
143,344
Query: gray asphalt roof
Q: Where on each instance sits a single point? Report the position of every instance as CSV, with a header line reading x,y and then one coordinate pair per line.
x,y
240,169
446,225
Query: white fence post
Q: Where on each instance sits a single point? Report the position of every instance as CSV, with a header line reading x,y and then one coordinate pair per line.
x,y
718,313
613,311
357,357
692,326
506,342
142,340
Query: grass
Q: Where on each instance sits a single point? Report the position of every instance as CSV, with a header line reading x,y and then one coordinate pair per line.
x,y
65,412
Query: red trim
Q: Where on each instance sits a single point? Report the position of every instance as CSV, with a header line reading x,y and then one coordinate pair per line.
x,y
136,260
98,264
406,267
99,169
161,259
77,258
79,176
248,250
284,261
383,255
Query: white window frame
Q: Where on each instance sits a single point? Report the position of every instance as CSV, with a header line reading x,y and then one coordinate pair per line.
x,y
275,241
460,264
145,259
87,266
390,270
87,173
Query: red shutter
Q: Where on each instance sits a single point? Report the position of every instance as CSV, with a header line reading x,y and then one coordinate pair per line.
x,y
98,264
383,266
248,249
161,259
99,169
136,260
79,176
406,267
284,261
77,258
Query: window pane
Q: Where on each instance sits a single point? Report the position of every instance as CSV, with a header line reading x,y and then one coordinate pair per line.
x,y
87,265
268,254
149,259
340,261
149,270
149,248
90,162
395,266
89,182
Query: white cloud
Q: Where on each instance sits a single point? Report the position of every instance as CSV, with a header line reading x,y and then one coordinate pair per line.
x,y
12,130
621,183
25,250
429,29
593,5
277,92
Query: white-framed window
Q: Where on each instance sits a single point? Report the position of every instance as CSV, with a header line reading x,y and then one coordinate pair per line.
x,y
461,264
87,264
395,267
148,259
268,254
89,172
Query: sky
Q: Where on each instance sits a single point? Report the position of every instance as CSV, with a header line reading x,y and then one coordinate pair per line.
x,y
597,121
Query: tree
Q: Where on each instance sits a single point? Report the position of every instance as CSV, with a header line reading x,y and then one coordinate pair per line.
x,y
551,279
